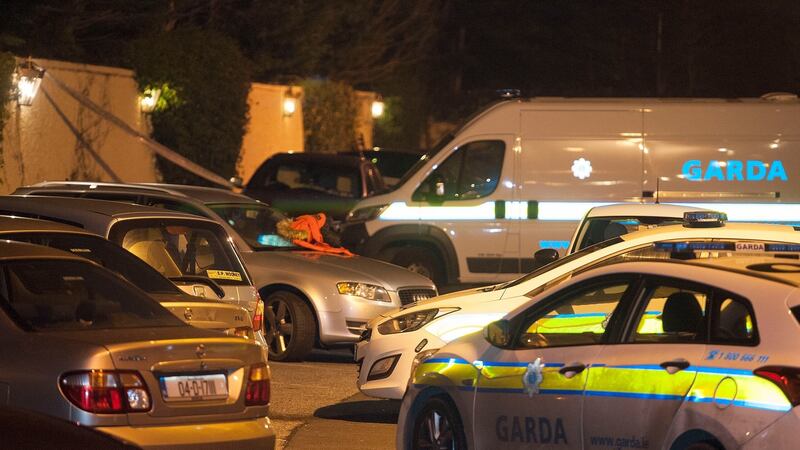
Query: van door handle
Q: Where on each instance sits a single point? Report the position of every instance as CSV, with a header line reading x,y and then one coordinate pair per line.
x,y
571,370
675,366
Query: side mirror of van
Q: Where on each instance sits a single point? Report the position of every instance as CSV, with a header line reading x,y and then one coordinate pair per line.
x,y
544,257
498,333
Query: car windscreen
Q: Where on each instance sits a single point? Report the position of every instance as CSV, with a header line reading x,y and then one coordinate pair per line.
x,y
598,229
103,252
180,247
340,180
62,294
256,224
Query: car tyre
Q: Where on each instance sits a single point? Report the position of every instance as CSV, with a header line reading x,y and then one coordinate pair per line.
x,y
420,260
438,426
289,327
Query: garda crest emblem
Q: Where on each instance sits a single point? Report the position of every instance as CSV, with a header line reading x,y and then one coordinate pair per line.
x,y
533,377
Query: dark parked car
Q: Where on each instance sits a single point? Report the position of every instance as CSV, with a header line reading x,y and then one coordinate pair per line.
x,y
308,183
392,164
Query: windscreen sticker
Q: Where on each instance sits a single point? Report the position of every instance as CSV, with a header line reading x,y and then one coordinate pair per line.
x,y
750,247
224,275
80,250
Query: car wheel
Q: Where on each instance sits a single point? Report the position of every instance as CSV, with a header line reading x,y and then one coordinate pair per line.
x,y
438,426
289,327
422,261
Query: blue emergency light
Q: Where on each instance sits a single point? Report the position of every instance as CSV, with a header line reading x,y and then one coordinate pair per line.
x,y
704,219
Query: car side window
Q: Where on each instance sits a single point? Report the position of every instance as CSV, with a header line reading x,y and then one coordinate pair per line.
x,y
672,314
470,172
732,321
580,318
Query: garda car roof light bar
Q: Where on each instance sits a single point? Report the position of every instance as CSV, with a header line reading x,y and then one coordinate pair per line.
x,y
704,219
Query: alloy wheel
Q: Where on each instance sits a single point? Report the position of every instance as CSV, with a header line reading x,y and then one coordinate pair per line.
x,y
278,326
435,432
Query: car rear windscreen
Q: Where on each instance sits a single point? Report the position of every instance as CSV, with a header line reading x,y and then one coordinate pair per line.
x,y
180,247
62,294
103,252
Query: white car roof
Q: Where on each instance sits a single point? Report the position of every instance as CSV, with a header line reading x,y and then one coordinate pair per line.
x,y
641,209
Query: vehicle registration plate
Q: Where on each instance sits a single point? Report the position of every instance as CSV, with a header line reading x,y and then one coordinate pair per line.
x,y
195,387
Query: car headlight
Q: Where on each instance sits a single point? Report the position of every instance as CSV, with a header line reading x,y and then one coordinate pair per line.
x,y
412,321
366,213
363,290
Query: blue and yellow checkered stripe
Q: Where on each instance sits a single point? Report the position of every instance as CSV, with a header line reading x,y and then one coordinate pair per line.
x,y
643,381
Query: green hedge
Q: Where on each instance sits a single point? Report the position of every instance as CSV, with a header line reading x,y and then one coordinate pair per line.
x,y
203,111
329,116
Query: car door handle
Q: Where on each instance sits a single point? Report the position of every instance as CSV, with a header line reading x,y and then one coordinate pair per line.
x,y
571,370
675,366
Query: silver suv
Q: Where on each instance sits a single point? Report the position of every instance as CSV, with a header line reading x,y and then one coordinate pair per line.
x,y
309,296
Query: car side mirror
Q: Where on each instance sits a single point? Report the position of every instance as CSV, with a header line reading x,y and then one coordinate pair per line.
x,y
498,333
237,182
544,257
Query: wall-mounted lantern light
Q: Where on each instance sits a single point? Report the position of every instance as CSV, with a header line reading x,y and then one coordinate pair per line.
x,y
290,99
377,108
149,100
27,78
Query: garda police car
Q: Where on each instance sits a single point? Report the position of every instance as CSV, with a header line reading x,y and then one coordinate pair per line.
x,y
395,343
698,351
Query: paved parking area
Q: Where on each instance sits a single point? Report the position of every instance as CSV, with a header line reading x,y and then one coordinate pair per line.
x,y
315,404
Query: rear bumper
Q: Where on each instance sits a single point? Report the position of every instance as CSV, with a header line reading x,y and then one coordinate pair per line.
x,y
243,434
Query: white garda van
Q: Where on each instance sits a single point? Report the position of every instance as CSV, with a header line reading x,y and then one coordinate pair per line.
x,y
518,176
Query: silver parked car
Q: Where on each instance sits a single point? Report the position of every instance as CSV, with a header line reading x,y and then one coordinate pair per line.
x,y
82,344
309,296
200,312
194,253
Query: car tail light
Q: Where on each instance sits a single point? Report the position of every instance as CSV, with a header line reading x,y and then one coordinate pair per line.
x,y
258,316
257,392
106,391
786,378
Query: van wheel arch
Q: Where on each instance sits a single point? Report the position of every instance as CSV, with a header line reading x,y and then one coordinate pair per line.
x,y
388,242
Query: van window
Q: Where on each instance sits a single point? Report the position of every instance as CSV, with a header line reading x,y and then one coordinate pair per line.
x,y
470,172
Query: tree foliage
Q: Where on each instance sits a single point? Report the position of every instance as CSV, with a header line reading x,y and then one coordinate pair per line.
x,y
329,116
205,115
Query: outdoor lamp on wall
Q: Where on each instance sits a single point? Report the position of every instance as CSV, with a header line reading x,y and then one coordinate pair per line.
x,y
28,78
149,100
377,108
289,102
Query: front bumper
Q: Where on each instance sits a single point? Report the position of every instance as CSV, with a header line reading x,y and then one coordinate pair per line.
x,y
243,434
345,326
368,352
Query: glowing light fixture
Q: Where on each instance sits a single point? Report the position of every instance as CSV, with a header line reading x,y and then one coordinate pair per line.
x,y
289,102
377,108
149,100
28,78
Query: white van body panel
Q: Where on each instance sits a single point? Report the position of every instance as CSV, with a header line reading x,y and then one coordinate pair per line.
x,y
565,156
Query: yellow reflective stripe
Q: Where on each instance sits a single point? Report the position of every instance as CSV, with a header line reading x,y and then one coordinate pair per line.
x,y
646,382
751,391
